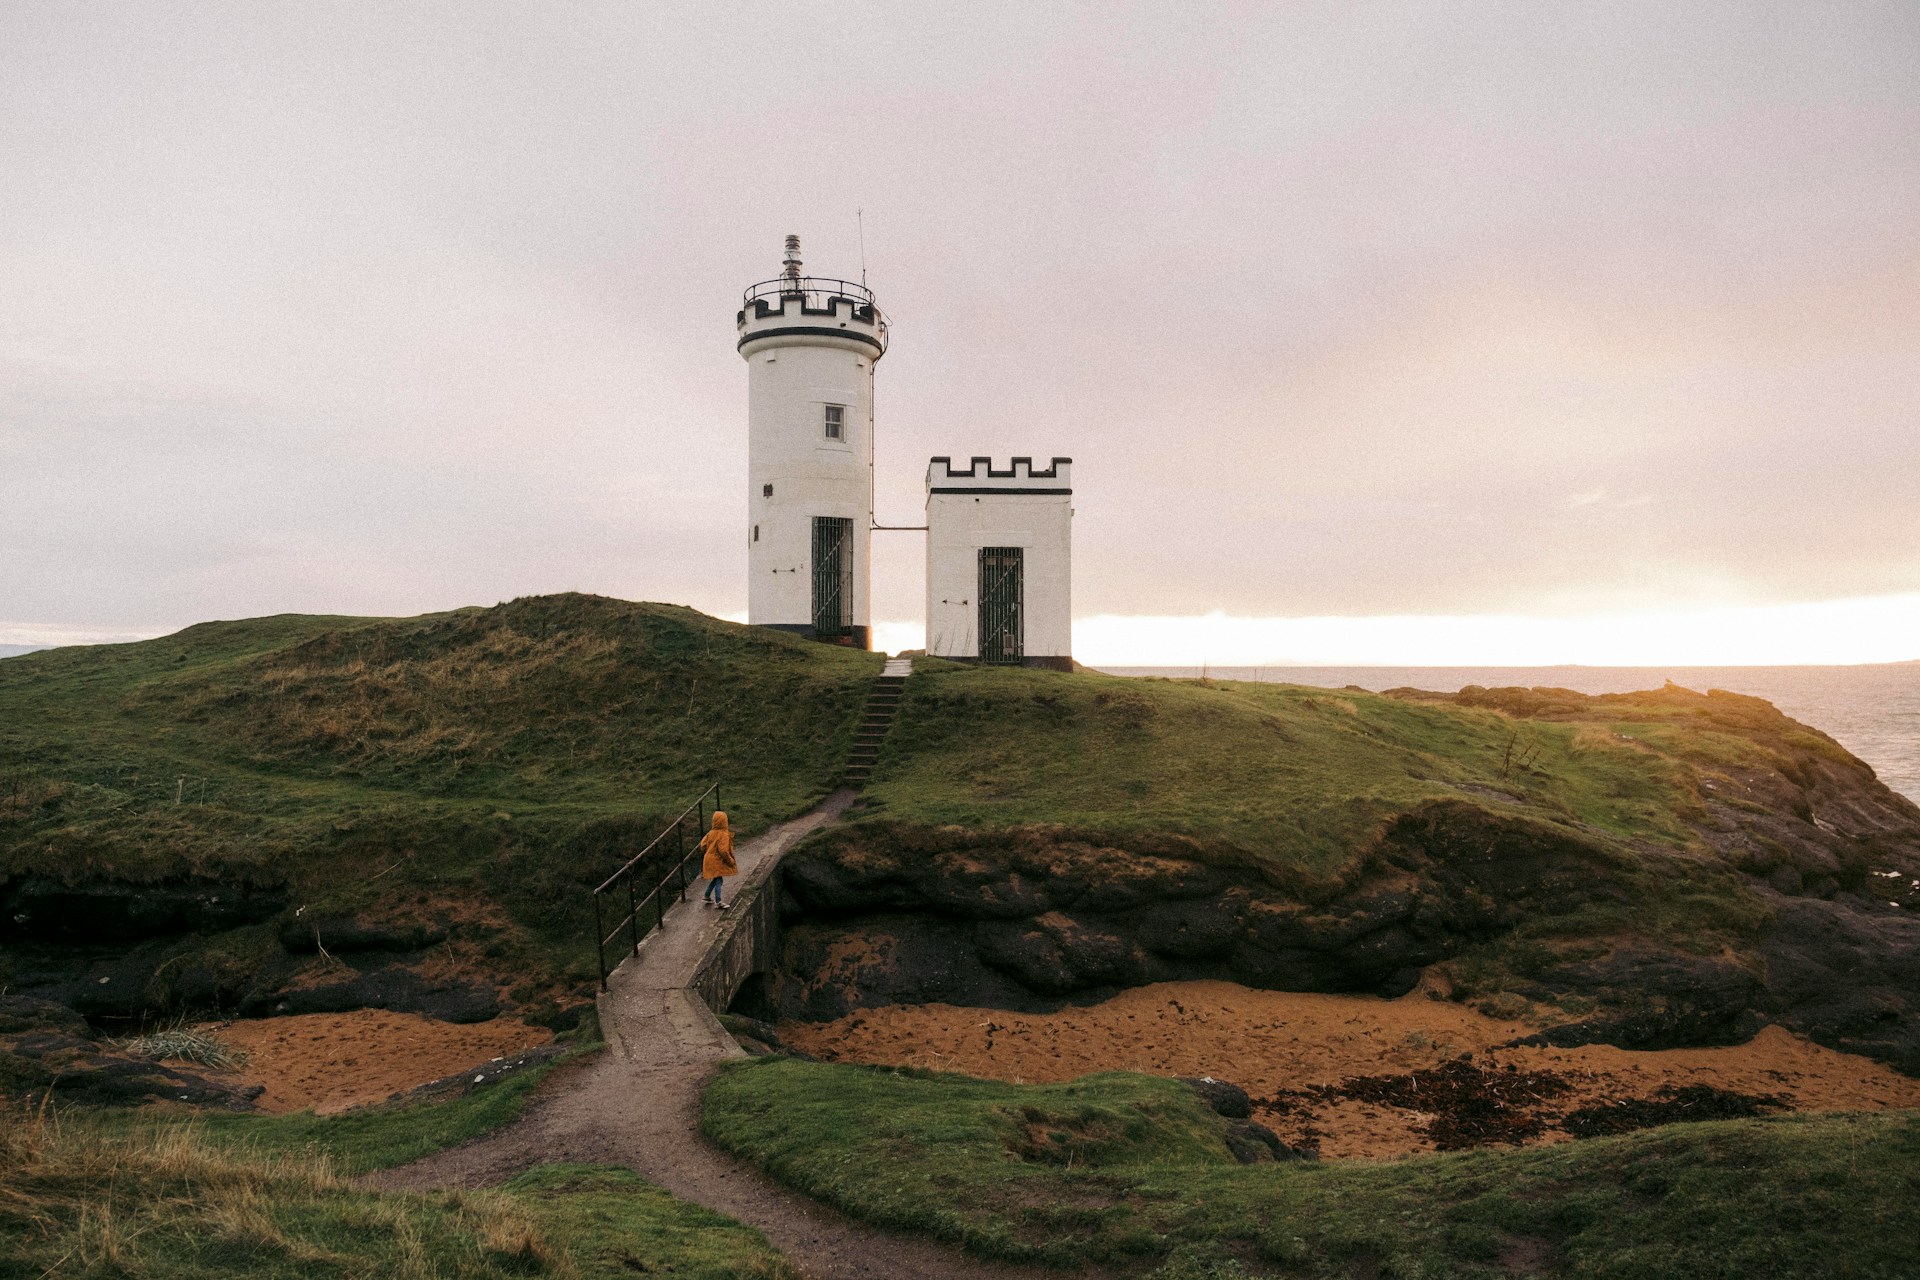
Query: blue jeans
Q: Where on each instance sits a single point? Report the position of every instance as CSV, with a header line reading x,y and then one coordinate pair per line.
x,y
713,889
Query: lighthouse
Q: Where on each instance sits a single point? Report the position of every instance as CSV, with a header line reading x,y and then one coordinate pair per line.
x,y
810,344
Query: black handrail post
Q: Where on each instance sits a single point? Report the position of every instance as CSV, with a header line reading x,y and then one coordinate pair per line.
x,y
600,939
633,914
680,866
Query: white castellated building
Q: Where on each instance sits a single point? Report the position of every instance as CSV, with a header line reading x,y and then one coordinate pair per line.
x,y
999,542
999,562
810,346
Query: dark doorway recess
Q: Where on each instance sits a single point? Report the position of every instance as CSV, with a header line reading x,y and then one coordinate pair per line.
x,y
1002,584
832,576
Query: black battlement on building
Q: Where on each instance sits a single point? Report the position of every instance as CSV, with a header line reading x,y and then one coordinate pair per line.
x,y
1020,469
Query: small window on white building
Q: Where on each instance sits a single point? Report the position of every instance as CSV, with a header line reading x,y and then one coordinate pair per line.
x,y
836,422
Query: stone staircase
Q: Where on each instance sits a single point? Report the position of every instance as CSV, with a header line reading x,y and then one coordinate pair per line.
x,y
882,705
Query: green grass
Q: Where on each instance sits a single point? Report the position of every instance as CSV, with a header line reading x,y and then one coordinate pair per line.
x,y
1131,1172
613,1223
78,1198
150,1193
1299,787
363,1139
1303,776
509,757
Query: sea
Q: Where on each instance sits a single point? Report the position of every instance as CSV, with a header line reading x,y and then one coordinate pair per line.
x,y
1872,710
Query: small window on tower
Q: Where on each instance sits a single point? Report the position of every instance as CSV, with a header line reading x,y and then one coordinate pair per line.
x,y
766,491
836,421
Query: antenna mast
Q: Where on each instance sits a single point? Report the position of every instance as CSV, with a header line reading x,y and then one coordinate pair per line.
x,y
859,218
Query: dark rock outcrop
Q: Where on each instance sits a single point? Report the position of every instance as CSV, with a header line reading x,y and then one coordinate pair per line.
x,y
1228,1100
1031,919
1253,1143
47,1049
1806,867
93,912
1847,973
119,953
103,1080
1250,1141
1653,1000
484,1074
396,988
24,1013
304,934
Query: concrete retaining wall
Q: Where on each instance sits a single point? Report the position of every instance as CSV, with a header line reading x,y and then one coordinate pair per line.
x,y
748,939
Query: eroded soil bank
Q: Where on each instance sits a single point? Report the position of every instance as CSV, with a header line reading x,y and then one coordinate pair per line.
x,y
1294,1052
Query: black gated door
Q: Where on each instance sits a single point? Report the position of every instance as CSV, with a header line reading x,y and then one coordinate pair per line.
x,y
832,576
1002,635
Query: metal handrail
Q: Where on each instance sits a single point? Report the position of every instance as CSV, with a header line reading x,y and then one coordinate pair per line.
x,y
676,874
782,286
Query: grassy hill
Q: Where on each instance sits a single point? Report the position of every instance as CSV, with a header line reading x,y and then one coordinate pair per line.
x,y
492,764
1133,1173
481,769
1303,779
463,779
1675,863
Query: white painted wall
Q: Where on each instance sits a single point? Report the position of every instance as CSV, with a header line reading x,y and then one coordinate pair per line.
x,y
960,523
790,380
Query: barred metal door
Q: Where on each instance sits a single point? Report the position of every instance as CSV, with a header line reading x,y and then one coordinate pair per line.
x,y
1002,635
832,576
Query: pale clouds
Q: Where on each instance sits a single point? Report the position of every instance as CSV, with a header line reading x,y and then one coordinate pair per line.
x,y
1409,311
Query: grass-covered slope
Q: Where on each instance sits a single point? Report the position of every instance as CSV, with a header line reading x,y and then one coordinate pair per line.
x,y
84,1195
1306,779
1673,864
570,704
480,769
1133,1172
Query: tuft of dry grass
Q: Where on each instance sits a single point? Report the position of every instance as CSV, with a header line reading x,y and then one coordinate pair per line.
x,y
162,1201
184,1043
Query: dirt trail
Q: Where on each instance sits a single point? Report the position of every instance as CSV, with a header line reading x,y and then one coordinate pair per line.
x,y
638,1105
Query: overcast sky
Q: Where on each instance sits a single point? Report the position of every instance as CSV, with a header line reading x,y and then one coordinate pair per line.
x,y
1341,310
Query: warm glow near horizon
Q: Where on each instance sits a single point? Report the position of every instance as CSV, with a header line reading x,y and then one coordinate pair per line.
x,y
1827,633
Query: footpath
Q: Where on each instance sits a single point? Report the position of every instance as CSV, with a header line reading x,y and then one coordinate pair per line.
x,y
637,1103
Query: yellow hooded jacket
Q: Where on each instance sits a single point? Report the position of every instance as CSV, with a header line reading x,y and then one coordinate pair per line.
x,y
717,849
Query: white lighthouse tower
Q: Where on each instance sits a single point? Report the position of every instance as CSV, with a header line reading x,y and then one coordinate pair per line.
x,y
810,345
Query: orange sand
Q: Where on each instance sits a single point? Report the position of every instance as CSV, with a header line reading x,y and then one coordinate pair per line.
x,y
332,1061
1269,1041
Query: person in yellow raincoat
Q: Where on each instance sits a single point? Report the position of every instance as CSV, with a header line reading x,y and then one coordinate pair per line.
x,y
716,862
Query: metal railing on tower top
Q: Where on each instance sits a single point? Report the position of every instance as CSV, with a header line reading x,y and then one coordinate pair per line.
x,y
809,288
